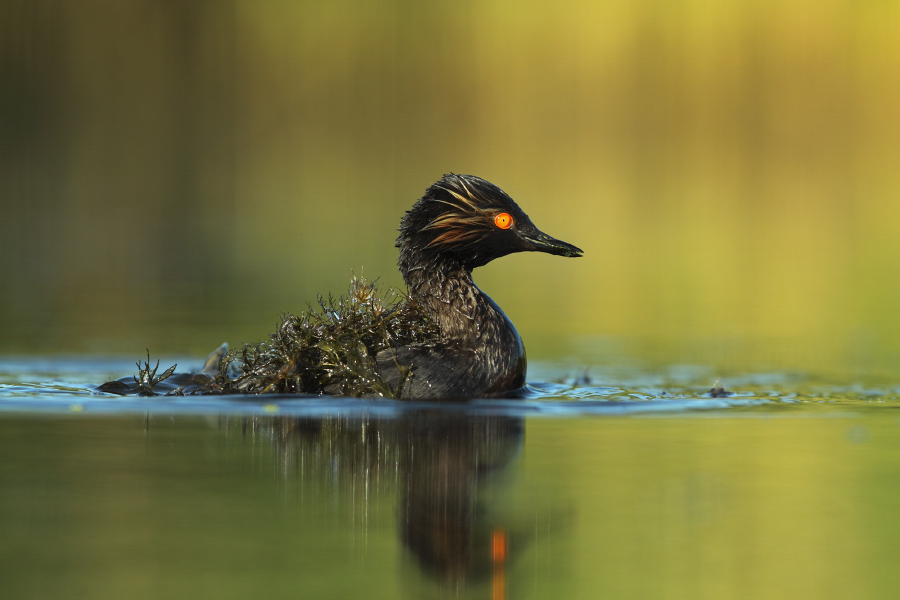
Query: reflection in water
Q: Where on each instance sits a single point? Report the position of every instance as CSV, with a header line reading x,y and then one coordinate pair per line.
x,y
444,521
790,501
445,466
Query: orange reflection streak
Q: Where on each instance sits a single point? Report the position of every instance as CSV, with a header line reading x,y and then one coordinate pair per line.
x,y
498,556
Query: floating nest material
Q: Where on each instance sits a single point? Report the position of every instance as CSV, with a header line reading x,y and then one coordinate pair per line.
x,y
329,349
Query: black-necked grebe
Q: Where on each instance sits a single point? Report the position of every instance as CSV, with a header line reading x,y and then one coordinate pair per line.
x,y
462,222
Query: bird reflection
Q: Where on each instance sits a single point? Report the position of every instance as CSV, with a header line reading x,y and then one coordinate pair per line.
x,y
445,518
448,467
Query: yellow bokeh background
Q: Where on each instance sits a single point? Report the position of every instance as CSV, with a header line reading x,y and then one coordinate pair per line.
x,y
175,175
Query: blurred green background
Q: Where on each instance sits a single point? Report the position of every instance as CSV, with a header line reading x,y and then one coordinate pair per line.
x,y
174,174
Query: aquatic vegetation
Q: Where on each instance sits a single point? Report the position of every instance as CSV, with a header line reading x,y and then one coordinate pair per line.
x,y
146,377
330,348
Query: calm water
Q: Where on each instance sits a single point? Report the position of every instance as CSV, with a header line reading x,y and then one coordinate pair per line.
x,y
626,483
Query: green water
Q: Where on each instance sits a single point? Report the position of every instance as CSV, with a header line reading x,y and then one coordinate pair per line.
x,y
785,490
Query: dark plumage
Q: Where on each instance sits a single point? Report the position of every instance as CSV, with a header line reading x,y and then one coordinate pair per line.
x,y
451,230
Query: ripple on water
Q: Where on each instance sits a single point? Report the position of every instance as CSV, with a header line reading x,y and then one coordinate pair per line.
x,y
69,385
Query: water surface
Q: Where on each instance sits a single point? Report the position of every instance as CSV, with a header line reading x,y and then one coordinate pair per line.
x,y
620,483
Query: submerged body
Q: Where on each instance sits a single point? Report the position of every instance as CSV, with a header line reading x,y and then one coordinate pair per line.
x,y
446,339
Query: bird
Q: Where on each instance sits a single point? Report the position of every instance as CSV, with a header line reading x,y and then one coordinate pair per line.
x,y
445,340
462,222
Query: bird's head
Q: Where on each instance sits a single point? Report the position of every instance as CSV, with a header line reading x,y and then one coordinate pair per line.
x,y
475,221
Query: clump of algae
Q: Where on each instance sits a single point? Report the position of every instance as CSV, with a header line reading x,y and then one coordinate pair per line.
x,y
330,348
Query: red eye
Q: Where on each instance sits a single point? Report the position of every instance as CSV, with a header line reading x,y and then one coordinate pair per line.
x,y
503,220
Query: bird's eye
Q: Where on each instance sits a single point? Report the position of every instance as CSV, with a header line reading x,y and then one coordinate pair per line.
x,y
503,220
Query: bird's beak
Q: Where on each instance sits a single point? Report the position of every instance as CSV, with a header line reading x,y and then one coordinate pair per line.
x,y
538,241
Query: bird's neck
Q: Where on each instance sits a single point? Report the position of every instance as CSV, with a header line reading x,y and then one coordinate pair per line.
x,y
468,320
444,289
